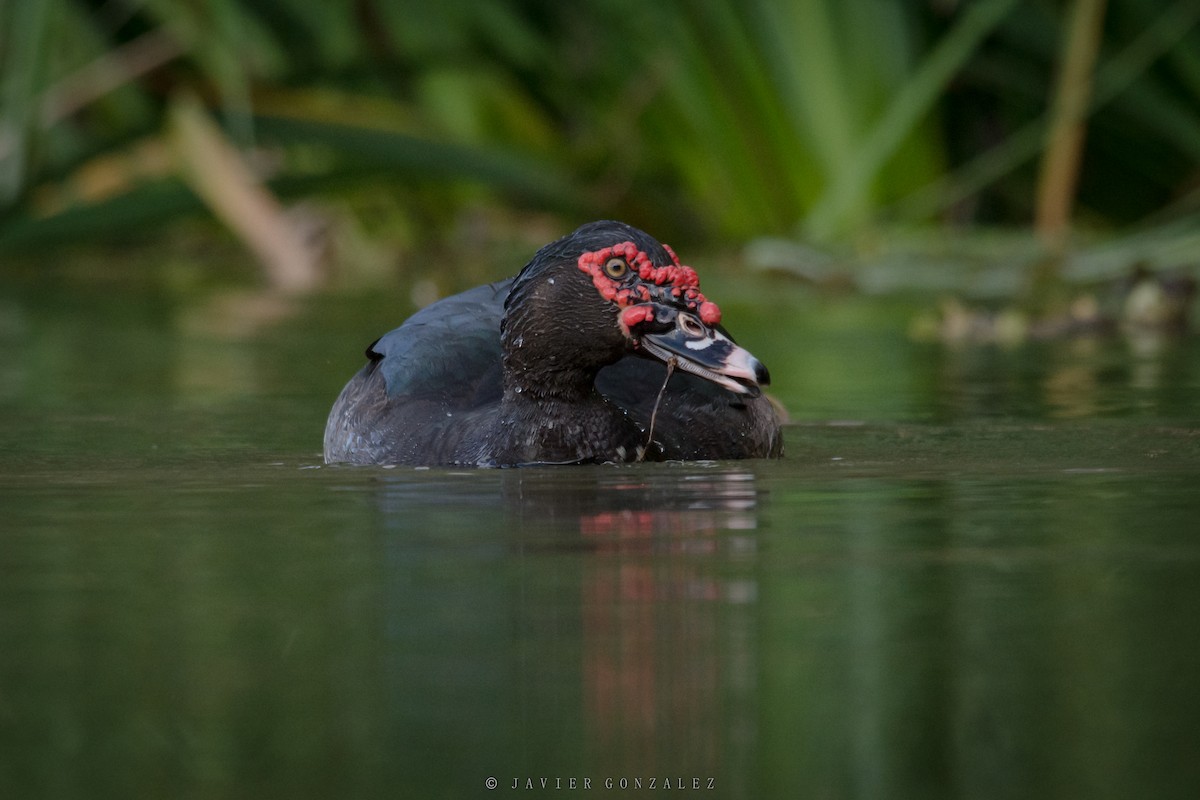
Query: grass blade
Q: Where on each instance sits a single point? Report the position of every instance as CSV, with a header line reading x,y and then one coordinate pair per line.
x,y
850,185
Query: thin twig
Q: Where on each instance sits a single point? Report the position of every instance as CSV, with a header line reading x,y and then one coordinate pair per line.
x,y
654,414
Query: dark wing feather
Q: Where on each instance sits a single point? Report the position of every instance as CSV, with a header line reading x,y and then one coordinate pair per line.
x,y
448,350
408,402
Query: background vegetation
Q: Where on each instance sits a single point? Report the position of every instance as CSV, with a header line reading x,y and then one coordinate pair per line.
x,y
825,121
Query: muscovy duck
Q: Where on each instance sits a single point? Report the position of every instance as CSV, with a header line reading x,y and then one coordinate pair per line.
x,y
567,363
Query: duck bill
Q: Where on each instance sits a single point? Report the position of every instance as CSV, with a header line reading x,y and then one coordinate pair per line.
x,y
707,353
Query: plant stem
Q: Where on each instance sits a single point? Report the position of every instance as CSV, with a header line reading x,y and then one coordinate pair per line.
x,y
1064,148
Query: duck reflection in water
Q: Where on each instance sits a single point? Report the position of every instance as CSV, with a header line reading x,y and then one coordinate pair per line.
x,y
655,590
668,601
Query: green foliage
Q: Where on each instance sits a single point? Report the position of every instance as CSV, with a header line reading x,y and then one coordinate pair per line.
x,y
716,118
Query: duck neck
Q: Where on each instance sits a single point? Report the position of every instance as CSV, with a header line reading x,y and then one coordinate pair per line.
x,y
546,380
559,365
550,411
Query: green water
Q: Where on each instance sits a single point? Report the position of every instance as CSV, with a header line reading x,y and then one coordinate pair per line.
x,y
977,573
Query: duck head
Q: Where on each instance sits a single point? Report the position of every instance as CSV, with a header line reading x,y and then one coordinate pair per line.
x,y
608,289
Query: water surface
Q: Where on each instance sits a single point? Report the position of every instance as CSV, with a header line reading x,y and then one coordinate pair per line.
x,y
975,574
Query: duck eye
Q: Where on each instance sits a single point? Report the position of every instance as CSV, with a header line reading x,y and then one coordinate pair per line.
x,y
616,267
690,326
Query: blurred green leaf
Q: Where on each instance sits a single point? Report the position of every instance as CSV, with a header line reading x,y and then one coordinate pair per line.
x,y
363,156
24,29
846,195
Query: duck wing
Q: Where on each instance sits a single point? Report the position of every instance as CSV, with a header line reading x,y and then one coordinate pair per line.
x,y
449,350
409,399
